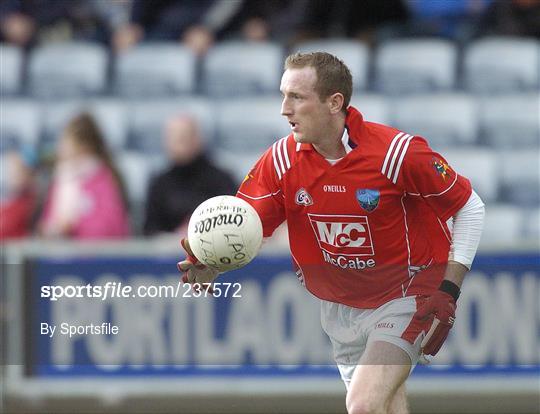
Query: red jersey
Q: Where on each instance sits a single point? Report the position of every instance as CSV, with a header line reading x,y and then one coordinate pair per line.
x,y
371,227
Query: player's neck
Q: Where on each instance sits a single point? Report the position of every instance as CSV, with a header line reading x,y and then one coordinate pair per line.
x,y
331,147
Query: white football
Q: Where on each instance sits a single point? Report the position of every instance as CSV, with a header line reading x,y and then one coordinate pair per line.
x,y
225,233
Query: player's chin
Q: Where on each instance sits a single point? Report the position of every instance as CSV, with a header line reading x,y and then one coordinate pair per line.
x,y
298,137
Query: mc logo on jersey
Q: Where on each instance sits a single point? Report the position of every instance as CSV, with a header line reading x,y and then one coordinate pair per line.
x,y
342,235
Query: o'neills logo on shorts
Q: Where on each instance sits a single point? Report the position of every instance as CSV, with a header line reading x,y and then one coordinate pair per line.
x,y
343,237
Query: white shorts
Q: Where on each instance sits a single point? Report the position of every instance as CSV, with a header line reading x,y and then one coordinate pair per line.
x,y
351,330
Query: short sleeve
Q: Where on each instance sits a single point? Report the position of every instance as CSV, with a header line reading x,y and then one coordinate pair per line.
x,y
262,189
427,174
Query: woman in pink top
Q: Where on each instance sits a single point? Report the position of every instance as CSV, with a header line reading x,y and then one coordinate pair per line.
x,y
86,199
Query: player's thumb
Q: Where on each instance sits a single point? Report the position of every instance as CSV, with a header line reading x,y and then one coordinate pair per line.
x,y
185,245
185,265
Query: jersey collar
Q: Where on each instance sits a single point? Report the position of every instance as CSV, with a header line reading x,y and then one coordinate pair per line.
x,y
354,123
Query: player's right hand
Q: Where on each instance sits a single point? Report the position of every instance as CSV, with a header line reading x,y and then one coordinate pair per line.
x,y
193,270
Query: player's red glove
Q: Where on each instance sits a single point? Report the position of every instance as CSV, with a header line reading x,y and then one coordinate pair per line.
x,y
442,306
194,271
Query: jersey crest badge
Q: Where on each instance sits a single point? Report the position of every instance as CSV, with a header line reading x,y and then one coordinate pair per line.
x,y
441,167
368,198
303,198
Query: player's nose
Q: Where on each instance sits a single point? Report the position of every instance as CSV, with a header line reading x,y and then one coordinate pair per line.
x,y
286,107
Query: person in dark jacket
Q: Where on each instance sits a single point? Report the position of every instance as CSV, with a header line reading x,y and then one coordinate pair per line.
x,y
190,179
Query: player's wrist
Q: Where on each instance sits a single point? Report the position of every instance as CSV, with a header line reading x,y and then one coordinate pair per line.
x,y
450,288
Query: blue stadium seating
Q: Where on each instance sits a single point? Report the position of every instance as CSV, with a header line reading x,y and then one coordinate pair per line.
x,y
520,177
147,119
68,70
353,53
502,65
503,224
416,66
20,124
445,120
511,121
374,108
480,166
155,69
11,69
136,170
239,68
250,124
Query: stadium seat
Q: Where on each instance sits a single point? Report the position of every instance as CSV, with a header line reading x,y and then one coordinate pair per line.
x,y
112,117
240,68
110,114
250,124
511,121
480,166
374,108
20,124
135,169
503,225
11,69
415,66
67,70
147,120
238,166
531,230
155,69
445,120
353,53
520,177
502,64
4,175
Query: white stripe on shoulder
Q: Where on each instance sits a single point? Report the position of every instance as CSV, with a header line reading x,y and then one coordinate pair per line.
x,y
278,171
259,197
400,161
389,152
286,152
280,156
279,151
395,155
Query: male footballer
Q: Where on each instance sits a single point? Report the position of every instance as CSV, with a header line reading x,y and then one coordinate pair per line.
x,y
381,229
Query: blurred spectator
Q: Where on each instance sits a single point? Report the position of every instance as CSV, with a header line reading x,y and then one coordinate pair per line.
x,y
262,20
86,198
190,180
193,22
512,18
112,14
351,18
454,19
19,197
26,22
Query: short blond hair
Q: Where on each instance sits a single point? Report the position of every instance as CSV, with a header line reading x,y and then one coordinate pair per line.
x,y
333,76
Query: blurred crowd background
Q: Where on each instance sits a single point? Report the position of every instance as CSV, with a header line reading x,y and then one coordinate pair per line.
x,y
119,117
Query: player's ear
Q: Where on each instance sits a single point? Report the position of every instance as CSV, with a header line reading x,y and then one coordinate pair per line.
x,y
335,102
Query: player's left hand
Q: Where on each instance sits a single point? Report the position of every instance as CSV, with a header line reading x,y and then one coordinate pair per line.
x,y
442,306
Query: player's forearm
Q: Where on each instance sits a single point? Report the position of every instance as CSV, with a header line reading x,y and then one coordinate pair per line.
x,y
466,233
455,272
